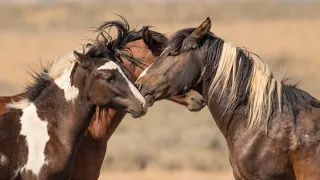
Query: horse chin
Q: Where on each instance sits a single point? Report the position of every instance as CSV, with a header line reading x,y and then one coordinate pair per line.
x,y
135,114
150,99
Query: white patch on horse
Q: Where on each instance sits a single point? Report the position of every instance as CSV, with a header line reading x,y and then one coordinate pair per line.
x,y
60,70
144,72
3,159
134,90
36,133
64,82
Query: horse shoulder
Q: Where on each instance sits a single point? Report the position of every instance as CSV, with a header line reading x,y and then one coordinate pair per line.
x,y
308,128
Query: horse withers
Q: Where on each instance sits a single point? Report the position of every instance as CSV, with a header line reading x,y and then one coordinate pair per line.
x,y
39,135
272,128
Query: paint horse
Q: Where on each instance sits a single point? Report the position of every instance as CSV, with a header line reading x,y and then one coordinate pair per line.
x,y
134,49
272,128
39,135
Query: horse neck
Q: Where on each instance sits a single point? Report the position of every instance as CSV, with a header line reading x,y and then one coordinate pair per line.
x,y
63,105
219,105
141,52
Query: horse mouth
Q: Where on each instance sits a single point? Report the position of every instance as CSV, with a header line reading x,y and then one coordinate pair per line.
x,y
150,99
135,114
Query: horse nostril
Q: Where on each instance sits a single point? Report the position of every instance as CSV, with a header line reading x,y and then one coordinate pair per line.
x,y
144,108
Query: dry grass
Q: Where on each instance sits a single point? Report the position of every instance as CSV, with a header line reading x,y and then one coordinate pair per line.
x,y
169,137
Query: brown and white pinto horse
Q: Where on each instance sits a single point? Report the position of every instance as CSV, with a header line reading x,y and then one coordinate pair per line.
x,y
135,49
272,128
40,134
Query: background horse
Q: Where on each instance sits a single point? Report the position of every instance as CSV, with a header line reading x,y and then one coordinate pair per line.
x,y
135,50
40,134
272,129
4,100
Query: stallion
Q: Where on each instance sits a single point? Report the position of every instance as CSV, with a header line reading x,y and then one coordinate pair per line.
x,y
272,129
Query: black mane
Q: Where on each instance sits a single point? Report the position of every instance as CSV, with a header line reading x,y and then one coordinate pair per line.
x,y
125,34
104,44
293,101
41,81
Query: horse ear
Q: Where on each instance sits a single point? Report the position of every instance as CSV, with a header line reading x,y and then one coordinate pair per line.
x,y
79,57
82,60
147,37
88,46
202,29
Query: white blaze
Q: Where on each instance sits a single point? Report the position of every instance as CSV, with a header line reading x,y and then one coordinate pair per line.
x,y
134,90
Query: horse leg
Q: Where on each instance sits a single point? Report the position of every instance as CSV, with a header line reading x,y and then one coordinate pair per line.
x,y
93,146
192,99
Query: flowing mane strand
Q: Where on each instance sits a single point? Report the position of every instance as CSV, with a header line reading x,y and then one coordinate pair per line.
x,y
243,79
43,79
124,34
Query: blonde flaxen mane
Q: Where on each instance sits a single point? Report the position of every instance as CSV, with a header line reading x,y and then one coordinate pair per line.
x,y
260,88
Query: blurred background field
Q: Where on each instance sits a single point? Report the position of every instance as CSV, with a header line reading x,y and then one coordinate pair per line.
x,y
169,142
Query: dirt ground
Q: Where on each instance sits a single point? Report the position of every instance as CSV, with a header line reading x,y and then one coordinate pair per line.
x,y
159,175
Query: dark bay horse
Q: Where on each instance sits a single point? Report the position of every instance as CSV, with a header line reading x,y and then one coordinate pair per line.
x,y
40,134
272,128
135,49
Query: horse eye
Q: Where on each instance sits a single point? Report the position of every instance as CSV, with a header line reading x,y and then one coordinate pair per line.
x,y
108,78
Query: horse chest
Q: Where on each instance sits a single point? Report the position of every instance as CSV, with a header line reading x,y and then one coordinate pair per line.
x,y
36,134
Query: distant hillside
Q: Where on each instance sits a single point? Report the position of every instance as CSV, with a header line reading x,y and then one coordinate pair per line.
x,y
61,16
90,1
